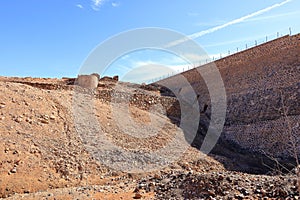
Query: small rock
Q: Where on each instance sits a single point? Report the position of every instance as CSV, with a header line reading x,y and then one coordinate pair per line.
x,y
157,176
245,192
141,185
263,192
19,120
228,179
257,191
28,120
14,170
294,188
17,162
122,185
152,184
165,181
239,196
136,190
221,177
52,117
209,192
44,121
137,196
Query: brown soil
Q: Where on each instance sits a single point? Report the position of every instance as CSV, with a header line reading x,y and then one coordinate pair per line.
x,y
42,156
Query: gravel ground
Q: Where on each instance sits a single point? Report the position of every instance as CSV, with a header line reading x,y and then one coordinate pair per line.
x,y
46,153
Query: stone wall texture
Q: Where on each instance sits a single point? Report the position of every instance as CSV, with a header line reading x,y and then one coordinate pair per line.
x,y
261,83
87,81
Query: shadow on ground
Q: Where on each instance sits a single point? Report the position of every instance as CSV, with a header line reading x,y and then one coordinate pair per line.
x,y
231,155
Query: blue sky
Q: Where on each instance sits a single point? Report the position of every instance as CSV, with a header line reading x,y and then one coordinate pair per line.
x,y
52,38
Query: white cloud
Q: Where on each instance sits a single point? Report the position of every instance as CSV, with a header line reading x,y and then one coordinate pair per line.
x,y
236,21
115,4
212,23
239,20
274,16
79,6
96,4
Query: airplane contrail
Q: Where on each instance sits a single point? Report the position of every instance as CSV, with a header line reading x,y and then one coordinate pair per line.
x,y
239,20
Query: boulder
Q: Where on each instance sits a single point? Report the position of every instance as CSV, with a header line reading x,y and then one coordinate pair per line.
x,y
115,78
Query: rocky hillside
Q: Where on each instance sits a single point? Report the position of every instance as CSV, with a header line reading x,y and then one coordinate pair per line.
x,y
45,155
125,141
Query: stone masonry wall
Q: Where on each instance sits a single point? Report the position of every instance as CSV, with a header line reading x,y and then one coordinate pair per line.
x,y
255,81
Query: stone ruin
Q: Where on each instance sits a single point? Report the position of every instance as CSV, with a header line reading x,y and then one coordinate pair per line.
x,y
88,81
107,78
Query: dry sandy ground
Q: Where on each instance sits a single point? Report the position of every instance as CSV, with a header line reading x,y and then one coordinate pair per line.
x,y
44,152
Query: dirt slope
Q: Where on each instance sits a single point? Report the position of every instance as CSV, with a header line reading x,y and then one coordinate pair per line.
x,y
40,148
43,156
